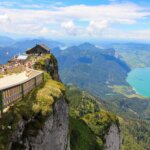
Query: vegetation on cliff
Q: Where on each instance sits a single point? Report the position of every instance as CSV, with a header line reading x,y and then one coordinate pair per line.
x,y
35,107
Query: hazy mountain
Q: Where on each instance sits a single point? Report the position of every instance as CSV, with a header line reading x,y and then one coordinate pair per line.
x,y
22,45
6,41
135,55
28,43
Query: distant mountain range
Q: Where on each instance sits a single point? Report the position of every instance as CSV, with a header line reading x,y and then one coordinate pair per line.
x,y
10,47
6,41
135,55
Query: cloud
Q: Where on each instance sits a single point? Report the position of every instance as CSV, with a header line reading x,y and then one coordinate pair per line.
x,y
78,20
4,19
97,27
69,27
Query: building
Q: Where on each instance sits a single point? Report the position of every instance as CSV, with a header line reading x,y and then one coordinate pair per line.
x,y
18,59
38,50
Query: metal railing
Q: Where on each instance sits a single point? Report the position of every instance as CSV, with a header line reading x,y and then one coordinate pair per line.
x,y
13,93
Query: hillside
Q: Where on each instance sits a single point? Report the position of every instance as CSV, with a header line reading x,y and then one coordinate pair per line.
x,y
139,54
90,113
90,123
89,67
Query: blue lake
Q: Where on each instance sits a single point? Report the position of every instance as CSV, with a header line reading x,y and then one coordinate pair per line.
x,y
139,79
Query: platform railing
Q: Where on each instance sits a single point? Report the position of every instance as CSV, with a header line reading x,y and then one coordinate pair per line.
x,y
13,93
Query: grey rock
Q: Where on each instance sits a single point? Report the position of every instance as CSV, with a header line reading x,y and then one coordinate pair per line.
x,y
113,138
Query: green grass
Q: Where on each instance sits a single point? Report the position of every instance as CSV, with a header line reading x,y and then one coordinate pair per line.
x,y
46,96
100,123
41,61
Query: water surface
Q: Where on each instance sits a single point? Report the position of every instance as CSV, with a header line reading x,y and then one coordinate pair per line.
x,y
139,79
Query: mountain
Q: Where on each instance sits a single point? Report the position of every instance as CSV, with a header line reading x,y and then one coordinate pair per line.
x,y
100,72
28,43
89,67
6,41
134,54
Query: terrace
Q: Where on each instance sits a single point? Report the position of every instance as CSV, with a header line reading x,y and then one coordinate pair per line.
x,y
14,87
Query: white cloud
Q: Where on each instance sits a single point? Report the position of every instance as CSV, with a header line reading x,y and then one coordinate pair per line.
x,y
4,19
97,27
61,21
69,27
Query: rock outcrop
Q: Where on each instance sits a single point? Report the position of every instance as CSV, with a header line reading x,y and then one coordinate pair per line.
x,y
53,136
113,138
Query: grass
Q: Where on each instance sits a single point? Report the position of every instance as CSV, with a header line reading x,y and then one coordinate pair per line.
x,y
46,96
100,123
41,61
127,91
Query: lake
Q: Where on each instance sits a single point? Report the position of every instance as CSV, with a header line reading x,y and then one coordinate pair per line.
x,y
139,79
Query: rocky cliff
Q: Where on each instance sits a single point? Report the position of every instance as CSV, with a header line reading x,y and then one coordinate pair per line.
x,y
53,135
113,138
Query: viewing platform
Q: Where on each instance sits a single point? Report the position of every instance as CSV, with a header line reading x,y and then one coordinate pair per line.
x,y
15,87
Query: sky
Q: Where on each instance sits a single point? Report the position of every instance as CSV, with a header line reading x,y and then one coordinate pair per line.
x,y
76,19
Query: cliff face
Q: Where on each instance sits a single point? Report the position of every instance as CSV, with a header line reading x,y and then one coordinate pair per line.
x,y
53,136
51,66
113,139
54,130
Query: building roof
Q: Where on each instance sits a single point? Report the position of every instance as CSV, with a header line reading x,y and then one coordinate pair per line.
x,y
40,45
44,46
